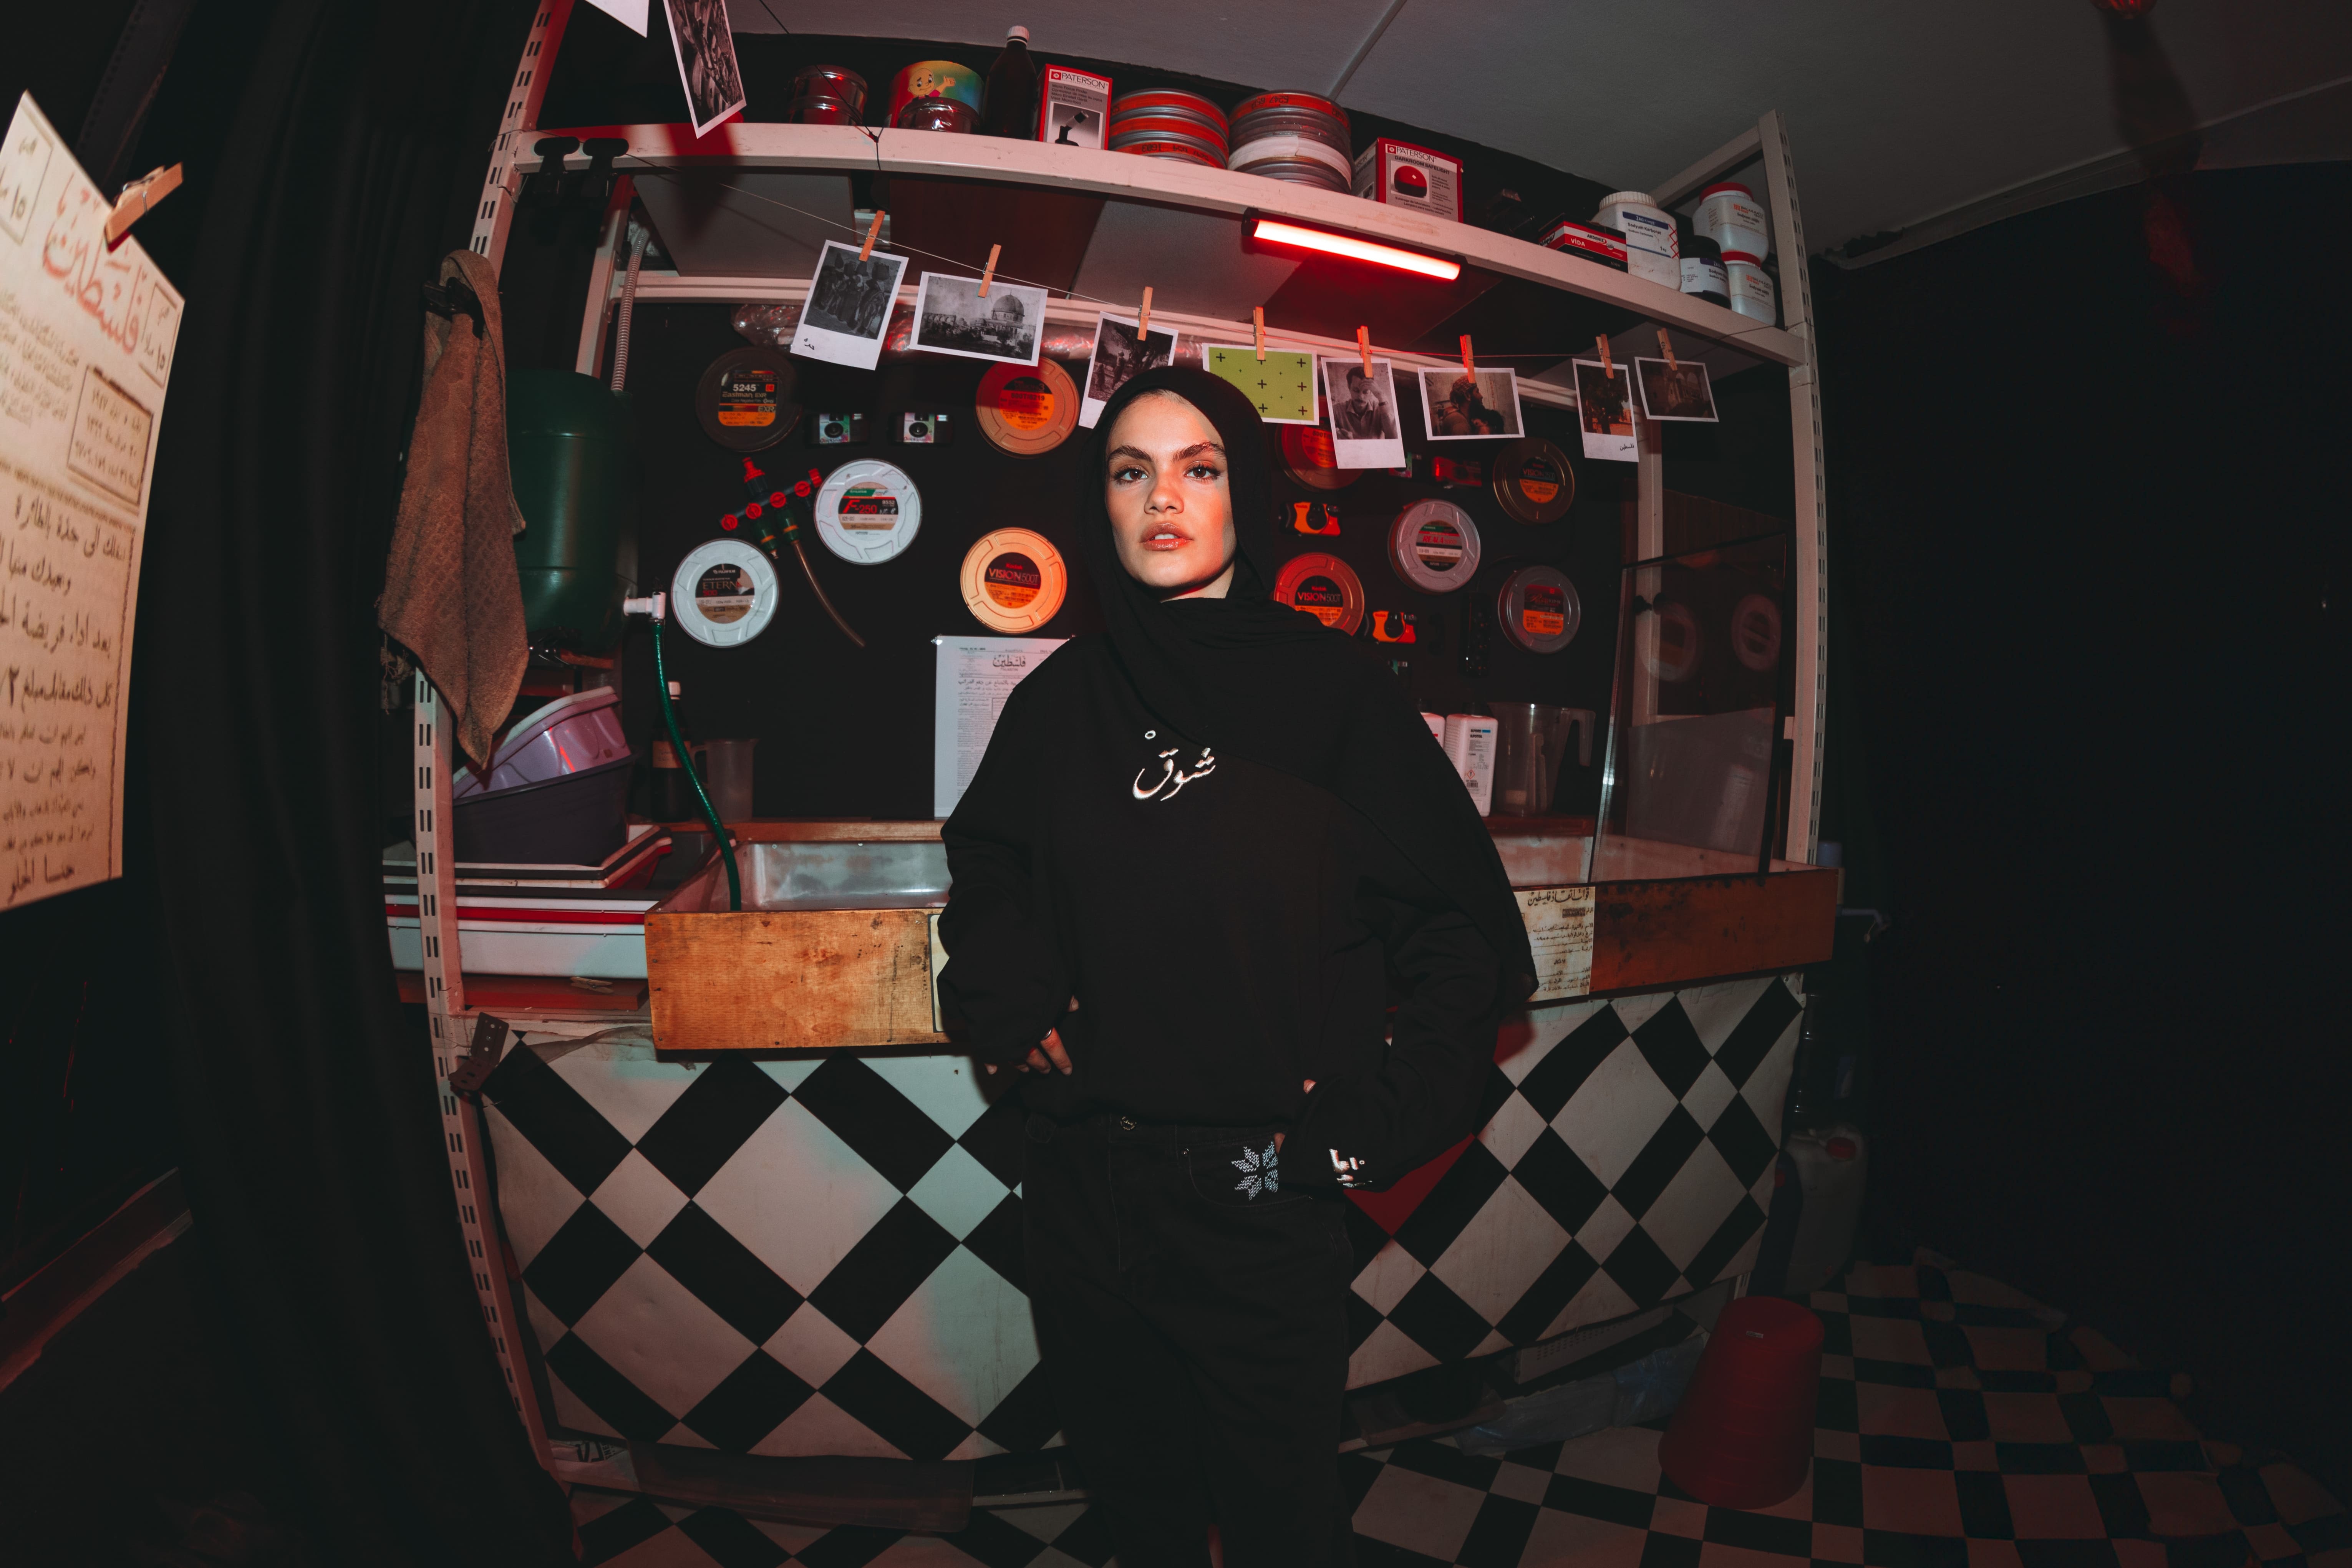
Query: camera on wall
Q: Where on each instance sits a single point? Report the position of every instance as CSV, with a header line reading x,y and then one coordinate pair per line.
x,y
924,428
836,430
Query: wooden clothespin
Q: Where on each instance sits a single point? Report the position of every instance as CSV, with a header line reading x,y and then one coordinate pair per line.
x,y
988,273
1601,345
1364,349
1667,346
1469,366
873,232
137,198
1257,320
1143,317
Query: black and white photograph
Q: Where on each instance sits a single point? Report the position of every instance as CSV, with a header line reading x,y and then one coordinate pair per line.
x,y
848,310
1121,353
1457,407
1365,430
1605,410
704,42
1676,391
950,317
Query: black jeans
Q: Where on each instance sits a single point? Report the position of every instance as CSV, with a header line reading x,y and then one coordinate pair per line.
x,y
1192,1313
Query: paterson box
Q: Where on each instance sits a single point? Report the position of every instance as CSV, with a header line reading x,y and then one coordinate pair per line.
x,y
1416,178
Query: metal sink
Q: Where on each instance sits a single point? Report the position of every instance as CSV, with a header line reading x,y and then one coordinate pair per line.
x,y
838,874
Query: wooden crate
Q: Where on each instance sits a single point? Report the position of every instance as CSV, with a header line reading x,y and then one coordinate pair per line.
x,y
789,979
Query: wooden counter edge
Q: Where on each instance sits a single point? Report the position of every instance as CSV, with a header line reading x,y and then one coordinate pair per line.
x,y
1688,931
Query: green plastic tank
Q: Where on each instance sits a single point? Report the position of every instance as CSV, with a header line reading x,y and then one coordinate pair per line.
x,y
569,442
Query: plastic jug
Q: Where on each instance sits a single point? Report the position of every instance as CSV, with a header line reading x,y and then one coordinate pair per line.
x,y
1531,742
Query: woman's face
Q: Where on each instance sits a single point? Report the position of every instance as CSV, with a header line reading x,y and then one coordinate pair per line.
x,y
1171,508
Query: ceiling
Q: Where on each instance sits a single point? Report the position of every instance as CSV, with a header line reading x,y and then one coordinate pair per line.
x,y
1916,117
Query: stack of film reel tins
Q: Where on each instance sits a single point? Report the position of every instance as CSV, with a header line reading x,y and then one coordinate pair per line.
x,y
1170,124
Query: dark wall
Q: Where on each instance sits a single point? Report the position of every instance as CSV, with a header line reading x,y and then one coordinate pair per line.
x,y
2088,543
849,733
85,1108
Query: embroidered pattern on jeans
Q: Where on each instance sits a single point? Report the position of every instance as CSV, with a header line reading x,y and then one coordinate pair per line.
x,y
1259,1172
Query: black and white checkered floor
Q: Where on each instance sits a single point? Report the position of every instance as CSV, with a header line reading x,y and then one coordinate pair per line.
x,y
1961,1426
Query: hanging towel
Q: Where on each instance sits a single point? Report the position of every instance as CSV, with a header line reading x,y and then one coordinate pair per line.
x,y
450,592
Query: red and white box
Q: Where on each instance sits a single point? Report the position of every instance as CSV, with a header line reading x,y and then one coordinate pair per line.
x,y
1413,178
1072,108
1605,246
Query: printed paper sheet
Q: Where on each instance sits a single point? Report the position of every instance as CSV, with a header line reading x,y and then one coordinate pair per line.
x,y
86,339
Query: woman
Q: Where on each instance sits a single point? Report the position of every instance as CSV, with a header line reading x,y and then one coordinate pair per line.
x,y
1197,848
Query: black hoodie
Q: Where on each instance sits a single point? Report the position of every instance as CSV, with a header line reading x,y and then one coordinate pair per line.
x,y
1229,838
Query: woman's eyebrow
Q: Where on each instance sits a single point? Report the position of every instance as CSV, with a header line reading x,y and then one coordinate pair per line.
x,y
1135,452
1199,446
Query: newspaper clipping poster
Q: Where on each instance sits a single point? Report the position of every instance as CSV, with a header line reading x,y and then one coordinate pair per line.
x,y
86,337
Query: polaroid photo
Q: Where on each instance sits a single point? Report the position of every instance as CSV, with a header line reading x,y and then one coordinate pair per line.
x,y
1605,410
704,42
848,310
1365,430
1456,408
1676,391
1282,384
950,317
1120,355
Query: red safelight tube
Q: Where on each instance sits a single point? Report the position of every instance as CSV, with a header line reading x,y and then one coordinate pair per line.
x,y
1274,231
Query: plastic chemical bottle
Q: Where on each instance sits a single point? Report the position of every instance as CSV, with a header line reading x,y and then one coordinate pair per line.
x,y
1011,99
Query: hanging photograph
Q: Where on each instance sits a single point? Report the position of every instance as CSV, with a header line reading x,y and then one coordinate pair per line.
x,y
1365,430
950,317
1676,391
1121,353
848,309
1456,408
1281,385
704,43
1605,410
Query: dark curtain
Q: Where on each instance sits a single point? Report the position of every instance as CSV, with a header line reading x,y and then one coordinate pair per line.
x,y
313,1145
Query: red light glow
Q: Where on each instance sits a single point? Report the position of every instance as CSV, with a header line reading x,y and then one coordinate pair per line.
x,y
1279,233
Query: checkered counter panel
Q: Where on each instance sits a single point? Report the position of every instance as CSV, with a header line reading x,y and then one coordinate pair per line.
x,y
1625,1159
775,1258
795,1258
1962,1426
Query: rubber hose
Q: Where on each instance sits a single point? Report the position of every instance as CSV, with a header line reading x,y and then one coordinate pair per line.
x,y
694,776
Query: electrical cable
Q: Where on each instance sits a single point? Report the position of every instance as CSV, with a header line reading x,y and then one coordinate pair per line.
x,y
694,774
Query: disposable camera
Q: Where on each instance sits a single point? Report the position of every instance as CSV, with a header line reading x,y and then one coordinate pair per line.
x,y
924,428
836,430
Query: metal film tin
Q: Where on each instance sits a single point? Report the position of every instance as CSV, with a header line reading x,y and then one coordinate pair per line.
x,y
1433,546
1309,458
1533,482
1014,581
1538,609
1028,410
869,511
744,399
723,593
1323,587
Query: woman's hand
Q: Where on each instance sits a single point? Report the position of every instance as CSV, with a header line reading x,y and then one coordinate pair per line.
x,y
1047,1054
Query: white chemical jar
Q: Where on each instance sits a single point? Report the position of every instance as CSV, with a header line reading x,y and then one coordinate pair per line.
x,y
1652,250
1730,214
1752,294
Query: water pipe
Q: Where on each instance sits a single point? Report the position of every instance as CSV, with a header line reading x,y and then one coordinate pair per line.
x,y
656,608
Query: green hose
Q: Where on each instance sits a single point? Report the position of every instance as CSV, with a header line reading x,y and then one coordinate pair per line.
x,y
694,774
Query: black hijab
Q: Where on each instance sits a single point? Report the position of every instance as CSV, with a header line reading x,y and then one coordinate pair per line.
x,y
1261,681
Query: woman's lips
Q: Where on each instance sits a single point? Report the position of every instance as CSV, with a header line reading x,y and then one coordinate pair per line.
x,y
1166,539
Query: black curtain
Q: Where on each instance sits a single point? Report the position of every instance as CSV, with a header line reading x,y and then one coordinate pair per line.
x,y
313,1144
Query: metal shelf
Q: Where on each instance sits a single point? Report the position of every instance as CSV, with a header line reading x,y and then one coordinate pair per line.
x,y
1119,177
